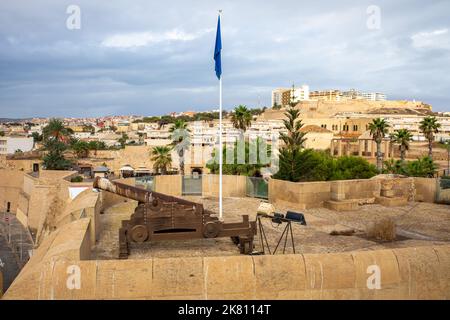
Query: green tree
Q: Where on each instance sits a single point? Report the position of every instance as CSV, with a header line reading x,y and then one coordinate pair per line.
x,y
241,118
402,137
429,127
162,158
180,140
246,168
294,139
304,165
350,167
55,138
96,145
123,140
54,158
378,130
55,129
81,149
312,165
290,162
424,167
89,128
36,137
394,166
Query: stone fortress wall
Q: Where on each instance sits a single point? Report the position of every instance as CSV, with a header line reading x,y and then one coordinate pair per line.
x,y
326,109
406,273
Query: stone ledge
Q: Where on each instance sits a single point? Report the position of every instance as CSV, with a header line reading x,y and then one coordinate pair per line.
x,y
391,202
342,205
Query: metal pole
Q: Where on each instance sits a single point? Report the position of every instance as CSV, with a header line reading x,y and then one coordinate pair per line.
x,y
21,246
220,141
9,227
448,157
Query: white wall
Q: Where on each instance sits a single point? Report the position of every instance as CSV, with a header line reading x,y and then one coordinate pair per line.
x,y
16,143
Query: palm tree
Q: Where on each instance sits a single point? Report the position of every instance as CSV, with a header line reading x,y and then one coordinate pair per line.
x,y
429,126
402,137
378,130
241,118
55,129
162,158
180,140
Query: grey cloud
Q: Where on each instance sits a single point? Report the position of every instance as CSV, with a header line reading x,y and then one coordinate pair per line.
x,y
48,70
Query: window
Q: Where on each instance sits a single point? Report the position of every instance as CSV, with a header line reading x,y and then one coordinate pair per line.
x,y
355,127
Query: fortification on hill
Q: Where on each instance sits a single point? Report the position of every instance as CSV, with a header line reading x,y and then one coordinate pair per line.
x,y
326,109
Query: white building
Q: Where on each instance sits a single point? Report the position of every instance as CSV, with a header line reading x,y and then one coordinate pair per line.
x,y
282,96
9,145
374,96
301,93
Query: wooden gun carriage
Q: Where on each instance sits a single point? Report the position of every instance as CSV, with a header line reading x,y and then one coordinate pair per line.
x,y
163,217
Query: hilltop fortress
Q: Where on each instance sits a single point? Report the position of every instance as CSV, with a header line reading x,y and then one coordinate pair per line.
x,y
325,109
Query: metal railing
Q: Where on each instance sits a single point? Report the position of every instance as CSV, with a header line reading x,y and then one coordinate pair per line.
x,y
146,182
443,190
192,185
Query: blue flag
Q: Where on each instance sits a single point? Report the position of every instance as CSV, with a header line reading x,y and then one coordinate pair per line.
x,y
217,50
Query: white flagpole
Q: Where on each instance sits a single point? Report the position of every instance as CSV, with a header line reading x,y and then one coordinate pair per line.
x,y
220,140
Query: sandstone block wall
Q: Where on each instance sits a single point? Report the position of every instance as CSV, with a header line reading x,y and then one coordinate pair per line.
x,y
314,194
305,194
425,189
232,186
170,185
11,182
406,273
354,189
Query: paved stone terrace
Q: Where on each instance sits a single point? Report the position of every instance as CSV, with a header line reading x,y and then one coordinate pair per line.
x,y
418,224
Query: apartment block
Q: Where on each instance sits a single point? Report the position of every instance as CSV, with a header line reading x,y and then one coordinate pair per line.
x,y
282,96
9,145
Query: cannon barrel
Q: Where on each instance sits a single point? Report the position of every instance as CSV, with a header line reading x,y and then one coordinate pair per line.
x,y
123,189
136,193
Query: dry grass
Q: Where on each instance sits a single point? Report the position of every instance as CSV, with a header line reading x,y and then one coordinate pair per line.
x,y
383,230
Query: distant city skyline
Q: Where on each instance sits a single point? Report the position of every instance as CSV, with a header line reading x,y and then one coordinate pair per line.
x,y
142,58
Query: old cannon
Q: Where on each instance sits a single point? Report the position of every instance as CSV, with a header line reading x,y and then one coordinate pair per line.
x,y
163,217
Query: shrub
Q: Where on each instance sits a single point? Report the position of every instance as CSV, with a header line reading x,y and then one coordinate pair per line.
x,y
384,230
424,167
76,179
311,165
350,167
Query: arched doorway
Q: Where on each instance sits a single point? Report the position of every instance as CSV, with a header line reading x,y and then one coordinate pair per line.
x,y
197,171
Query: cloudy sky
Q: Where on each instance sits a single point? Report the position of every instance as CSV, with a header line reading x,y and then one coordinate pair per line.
x,y
152,57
